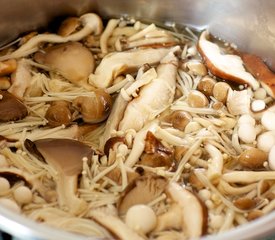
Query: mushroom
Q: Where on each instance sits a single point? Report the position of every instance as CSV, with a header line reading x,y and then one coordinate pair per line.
x,y
59,114
197,99
206,85
141,218
94,109
11,107
245,203
154,97
256,66
118,228
141,191
253,158
20,79
68,26
220,91
194,212
110,143
229,67
65,156
14,175
178,119
117,63
72,60
91,24
196,67
7,67
238,102
5,83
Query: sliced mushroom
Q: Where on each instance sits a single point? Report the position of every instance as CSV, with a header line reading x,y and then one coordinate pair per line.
x,y
11,107
65,156
229,67
20,79
194,212
256,66
91,24
117,63
59,114
154,97
142,191
94,109
72,60
118,228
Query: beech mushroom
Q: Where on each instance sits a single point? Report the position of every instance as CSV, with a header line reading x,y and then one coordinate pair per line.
x,y
178,119
141,191
68,26
72,60
229,67
59,114
197,99
256,66
91,24
117,63
11,107
194,212
206,86
65,156
253,158
94,109
7,67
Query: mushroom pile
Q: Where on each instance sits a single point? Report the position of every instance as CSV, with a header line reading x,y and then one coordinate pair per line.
x,y
132,131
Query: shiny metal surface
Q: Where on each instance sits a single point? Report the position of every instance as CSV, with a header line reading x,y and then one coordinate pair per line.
x,y
248,23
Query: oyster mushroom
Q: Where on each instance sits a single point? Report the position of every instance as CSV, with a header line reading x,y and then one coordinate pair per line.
x,y
154,97
226,66
11,107
91,24
94,109
65,156
20,79
117,63
256,66
141,191
72,60
194,213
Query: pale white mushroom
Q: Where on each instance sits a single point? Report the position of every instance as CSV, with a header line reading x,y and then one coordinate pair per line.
x,y
91,24
20,79
215,163
268,120
141,218
266,140
248,176
22,195
226,66
154,97
117,63
271,158
246,129
10,204
4,186
194,213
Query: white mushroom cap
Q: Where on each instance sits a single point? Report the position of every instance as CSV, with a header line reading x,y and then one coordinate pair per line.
x,y
266,140
4,186
247,133
3,161
10,204
22,195
268,120
141,218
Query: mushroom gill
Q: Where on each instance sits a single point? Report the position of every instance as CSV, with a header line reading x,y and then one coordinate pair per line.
x,y
141,191
226,66
71,60
65,156
11,107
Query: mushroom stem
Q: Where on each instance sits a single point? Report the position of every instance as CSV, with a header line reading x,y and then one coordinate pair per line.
x,y
91,24
215,164
248,176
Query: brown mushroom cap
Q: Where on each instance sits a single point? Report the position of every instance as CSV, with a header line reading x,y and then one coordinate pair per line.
x,y
11,107
72,60
68,26
256,66
229,67
65,155
142,191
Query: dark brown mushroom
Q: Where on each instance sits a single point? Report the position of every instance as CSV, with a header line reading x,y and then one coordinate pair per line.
x,y
65,156
111,143
94,109
11,107
142,191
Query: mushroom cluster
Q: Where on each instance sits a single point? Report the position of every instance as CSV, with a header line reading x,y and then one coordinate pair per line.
x,y
133,131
